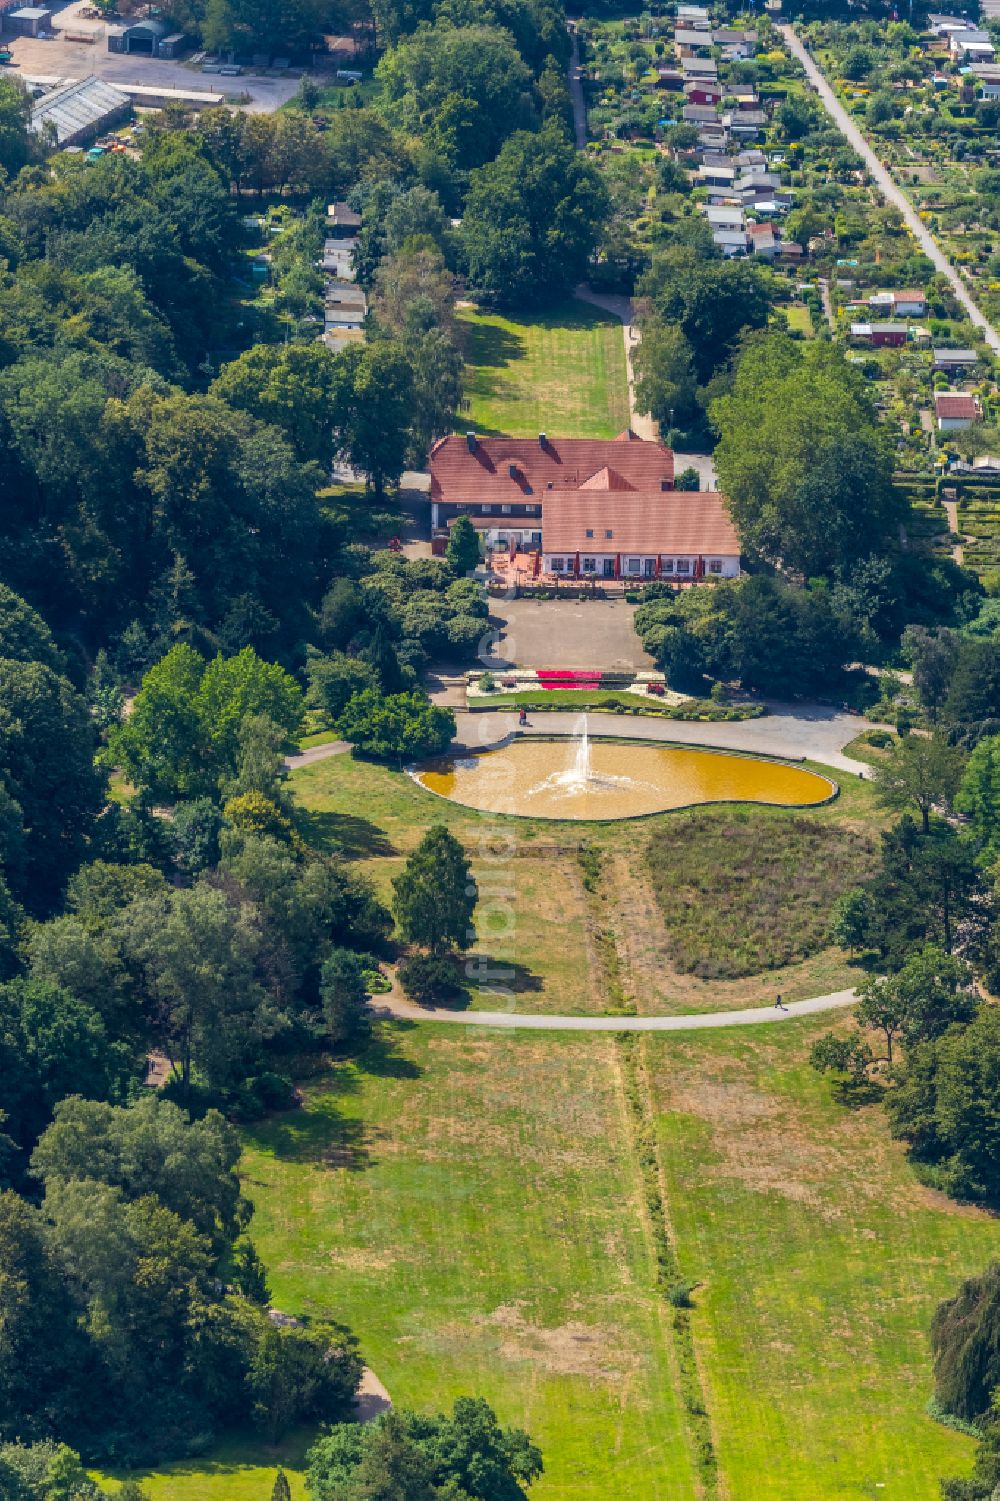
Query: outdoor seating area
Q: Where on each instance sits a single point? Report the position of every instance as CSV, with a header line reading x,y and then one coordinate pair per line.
x,y
526,570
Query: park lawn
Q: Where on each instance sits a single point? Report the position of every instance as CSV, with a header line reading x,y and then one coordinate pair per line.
x,y
316,737
555,949
565,698
562,373
471,1207
397,811
821,1260
237,1469
535,948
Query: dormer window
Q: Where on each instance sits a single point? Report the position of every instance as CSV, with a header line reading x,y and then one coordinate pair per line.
x,y
590,532
609,535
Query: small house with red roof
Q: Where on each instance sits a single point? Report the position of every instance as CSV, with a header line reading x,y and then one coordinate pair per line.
x,y
956,409
586,507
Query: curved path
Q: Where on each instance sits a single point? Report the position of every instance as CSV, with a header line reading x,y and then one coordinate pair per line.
x,y
814,732
393,1006
891,191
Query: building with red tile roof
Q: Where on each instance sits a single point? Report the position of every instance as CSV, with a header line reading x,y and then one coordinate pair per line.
x,y
586,506
956,409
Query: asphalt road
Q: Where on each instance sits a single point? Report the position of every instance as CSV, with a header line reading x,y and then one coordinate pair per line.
x,y
887,184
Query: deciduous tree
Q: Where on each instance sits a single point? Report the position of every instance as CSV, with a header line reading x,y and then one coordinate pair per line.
x,y
801,460
396,726
532,219
918,772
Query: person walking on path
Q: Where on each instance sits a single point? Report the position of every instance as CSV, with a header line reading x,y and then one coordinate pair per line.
x,y
779,1004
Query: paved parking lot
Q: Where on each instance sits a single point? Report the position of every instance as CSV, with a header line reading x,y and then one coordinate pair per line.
x,y
567,633
58,58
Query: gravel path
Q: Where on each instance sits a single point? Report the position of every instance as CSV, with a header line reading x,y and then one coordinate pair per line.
x,y
951,511
891,191
392,1006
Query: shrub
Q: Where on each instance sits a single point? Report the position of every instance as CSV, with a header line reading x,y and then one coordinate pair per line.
x,y
429,979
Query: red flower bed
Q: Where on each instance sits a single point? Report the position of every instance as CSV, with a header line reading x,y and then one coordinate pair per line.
x,y
569,679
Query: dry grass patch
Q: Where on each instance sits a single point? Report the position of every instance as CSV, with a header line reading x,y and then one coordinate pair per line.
x,y
741,893
651,979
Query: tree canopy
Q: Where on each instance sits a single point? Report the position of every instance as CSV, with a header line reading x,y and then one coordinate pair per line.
x,y
532,220
435,895
804,467
182,738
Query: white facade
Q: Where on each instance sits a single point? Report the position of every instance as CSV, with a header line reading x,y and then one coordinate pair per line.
x,y
501,537
640,566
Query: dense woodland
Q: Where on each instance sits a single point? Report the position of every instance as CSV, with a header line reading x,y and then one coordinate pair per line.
x,y
170,534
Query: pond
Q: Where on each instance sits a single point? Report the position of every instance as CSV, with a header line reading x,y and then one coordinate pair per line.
x,y
600,779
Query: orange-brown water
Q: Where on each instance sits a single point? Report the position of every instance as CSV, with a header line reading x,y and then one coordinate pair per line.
x,y
538,779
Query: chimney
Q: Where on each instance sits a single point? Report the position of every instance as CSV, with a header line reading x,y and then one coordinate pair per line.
x,y
541,440
470,442
512,470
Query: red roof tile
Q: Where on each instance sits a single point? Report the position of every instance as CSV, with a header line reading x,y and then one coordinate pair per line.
x,y
672,522
956,404
507,469
606,479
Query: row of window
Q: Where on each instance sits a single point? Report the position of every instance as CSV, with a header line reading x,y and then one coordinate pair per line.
x,y
505,510
644,567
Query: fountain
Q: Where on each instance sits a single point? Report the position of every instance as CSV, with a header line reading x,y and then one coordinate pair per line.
x,y
580,772
579,778
608,780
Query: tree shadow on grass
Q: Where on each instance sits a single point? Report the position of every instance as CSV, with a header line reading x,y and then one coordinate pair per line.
x,y
348,834
856,1094
318,1134
491,346
487,972
381,1057
236,1451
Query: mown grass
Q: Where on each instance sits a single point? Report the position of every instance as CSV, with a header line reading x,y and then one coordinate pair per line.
x,y
535,948
545,700
240,1468
820,1259
799,318
367,810
472,1207
563,698
562,374
744,892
